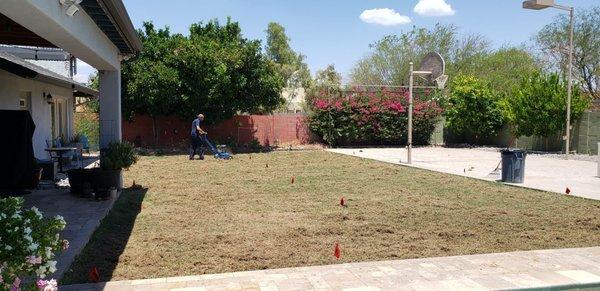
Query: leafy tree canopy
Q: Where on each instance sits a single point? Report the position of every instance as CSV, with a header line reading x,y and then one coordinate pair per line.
x,y
214,70
290,64
537,106
328,78
388,64
553,42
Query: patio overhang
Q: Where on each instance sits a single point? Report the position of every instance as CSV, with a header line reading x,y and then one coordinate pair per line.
x,y
101,33
25,69
112,18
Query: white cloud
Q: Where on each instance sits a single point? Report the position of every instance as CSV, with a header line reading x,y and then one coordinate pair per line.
x,y
434,8
384,16
84,71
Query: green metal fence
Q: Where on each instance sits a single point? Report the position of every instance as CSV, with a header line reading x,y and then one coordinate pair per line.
x,y
585,137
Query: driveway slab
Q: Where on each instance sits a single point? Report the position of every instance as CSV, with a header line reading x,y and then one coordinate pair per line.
x,y
542,173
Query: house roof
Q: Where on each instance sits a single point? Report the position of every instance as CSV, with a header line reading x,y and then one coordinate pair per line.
x,y
112,18
25,69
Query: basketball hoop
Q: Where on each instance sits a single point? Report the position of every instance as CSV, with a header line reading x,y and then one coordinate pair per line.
x,y
441,81
433,68
434,64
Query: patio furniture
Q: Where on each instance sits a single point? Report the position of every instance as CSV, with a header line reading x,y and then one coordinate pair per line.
x,y
86,143
60,151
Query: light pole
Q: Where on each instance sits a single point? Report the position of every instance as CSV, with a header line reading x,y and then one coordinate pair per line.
x,y
543,4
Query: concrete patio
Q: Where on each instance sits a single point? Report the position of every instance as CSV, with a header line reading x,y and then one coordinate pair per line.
x,y
573,268
541,172
82,215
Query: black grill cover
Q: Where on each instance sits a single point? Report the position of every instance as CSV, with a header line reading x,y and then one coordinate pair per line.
x,y
17,161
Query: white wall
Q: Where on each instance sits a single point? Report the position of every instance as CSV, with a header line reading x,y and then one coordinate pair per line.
x,y
11,87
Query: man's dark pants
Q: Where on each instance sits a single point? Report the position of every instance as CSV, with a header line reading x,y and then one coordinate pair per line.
x,y
197,146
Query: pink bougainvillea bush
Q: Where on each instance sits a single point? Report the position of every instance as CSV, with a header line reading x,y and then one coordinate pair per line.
x,y
361,117
28,246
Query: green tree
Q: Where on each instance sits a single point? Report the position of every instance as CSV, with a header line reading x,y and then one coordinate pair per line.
x,y
151,79
328,78
553,39
225,73
538,105
388,63
503,69
214,70
473,109
290,64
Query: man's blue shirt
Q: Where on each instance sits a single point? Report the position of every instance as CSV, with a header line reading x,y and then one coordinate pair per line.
x,y
195,125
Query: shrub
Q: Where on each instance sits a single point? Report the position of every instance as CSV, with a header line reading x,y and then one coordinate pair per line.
x,y
538,105
473,109
364,118
255,146
118,155
28,243
87,124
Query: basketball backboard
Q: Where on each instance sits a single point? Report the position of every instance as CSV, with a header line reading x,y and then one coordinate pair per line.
x,y
434,62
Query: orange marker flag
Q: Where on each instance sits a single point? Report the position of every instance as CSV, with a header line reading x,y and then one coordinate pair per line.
x,y
94,275
343,202
337,252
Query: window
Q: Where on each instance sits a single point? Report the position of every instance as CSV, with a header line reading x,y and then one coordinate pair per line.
x,y
58,111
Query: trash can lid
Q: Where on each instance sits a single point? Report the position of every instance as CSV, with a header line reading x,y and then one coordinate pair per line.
x,y
513,151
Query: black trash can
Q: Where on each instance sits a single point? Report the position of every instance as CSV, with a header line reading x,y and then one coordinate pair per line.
x,y
513,165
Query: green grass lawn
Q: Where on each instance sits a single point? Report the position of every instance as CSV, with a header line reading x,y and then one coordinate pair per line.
x,y
197,217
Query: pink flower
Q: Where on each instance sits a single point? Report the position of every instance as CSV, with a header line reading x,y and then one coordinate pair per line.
x,y
338,105
16,285
34,260
394,106
321,104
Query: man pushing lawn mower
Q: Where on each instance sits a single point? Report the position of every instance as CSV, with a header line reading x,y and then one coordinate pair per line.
x,y
199,140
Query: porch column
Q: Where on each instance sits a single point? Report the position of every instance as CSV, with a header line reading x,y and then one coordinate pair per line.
x,y
110,107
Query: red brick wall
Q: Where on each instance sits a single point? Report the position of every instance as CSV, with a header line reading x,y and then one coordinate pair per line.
x,y
173,131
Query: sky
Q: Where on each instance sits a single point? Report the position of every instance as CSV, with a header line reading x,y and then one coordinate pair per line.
x,y
339,32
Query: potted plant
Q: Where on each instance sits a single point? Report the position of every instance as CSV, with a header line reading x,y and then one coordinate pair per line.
x,y
116,157
78,179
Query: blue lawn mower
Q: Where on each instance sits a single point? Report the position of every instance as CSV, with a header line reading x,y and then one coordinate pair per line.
x,y
218,154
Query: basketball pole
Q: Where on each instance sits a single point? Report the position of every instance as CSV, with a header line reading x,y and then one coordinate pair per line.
x,y
410,113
